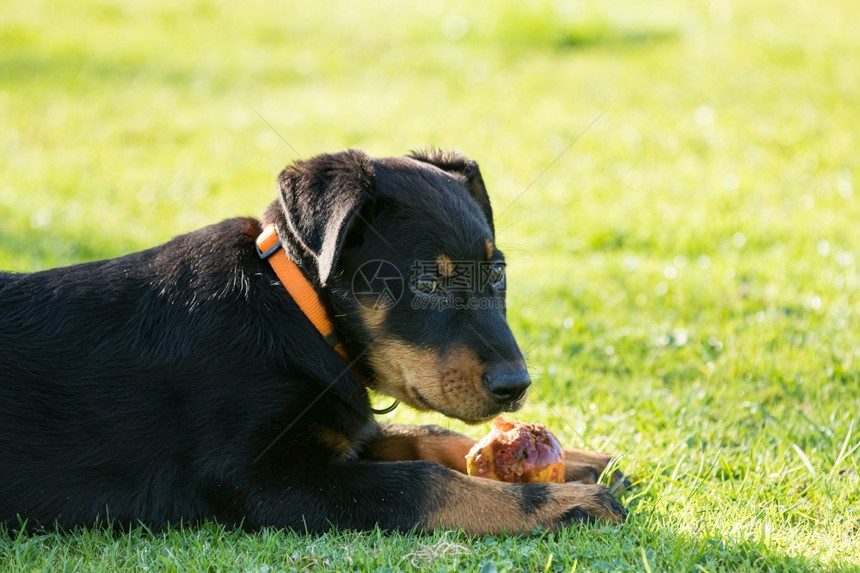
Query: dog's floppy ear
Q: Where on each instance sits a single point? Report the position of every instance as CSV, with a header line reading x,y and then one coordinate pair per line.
x,y
320,197
457,164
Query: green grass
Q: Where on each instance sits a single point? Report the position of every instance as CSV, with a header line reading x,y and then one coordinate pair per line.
x,y
684,278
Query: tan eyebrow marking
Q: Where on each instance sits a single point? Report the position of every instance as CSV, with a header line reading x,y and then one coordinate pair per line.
x,y
445,264
488,244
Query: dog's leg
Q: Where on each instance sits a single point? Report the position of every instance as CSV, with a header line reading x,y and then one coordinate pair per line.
x,y
436,444
396,442
406,495
586,467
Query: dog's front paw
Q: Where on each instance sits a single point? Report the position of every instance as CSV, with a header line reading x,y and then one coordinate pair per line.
x,y
588,504
480,506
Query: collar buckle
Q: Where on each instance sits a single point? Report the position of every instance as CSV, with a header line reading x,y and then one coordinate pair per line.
x,y
268,240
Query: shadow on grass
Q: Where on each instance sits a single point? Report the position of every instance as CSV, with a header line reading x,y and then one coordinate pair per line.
x,y
582,547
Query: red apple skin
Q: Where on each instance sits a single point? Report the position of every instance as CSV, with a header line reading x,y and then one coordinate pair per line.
x,y
517,452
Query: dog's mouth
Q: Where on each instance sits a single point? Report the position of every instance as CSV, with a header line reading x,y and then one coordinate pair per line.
x,y
421,399
451,383
515,405
420,402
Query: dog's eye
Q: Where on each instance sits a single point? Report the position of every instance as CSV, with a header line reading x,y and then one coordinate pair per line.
x,y
428,285
497,275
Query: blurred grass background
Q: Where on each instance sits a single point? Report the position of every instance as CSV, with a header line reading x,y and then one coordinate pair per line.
x,y
684,278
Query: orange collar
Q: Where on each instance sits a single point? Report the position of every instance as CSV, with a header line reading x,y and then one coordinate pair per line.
x,y
299,287
303,292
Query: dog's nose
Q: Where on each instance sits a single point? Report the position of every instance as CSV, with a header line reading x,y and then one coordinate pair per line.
x,y
507,384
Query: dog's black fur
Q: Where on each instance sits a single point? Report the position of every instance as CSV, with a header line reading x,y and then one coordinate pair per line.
x,y
182,383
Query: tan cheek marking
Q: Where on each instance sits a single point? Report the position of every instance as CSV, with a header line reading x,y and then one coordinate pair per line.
x,y
464,364
373,319
397,364
461,388
451,384
491,248
445,265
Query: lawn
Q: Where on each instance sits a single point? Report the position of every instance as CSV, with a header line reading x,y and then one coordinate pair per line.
x,y
676,189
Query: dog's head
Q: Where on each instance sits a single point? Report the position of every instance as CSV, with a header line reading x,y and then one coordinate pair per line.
x,y
405,248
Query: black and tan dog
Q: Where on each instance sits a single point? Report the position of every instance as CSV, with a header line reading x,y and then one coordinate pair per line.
x,y
182,383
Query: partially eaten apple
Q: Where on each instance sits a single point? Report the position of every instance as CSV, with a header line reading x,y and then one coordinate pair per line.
x,y
517,452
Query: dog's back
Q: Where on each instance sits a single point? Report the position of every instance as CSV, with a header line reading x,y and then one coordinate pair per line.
x,y
112,390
